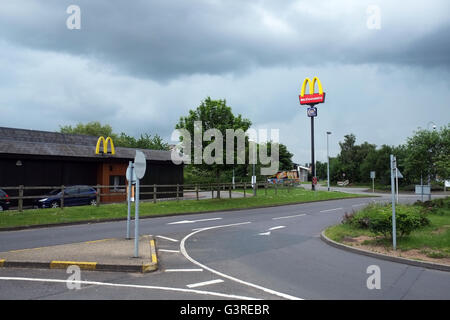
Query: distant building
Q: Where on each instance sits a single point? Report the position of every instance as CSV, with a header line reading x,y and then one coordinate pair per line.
x,y
41,158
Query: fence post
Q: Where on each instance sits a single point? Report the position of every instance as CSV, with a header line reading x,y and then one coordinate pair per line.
x,y
276,188
265,188
154,193
218,191
20,198
62,197
178,188
229,190
212,191
98,195
245,187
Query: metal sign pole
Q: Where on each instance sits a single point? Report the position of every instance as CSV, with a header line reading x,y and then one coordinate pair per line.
x,y
396,182
313,166
394,231
130,187
136,221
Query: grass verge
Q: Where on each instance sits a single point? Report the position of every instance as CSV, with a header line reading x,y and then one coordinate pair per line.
x,y
35,217
430,242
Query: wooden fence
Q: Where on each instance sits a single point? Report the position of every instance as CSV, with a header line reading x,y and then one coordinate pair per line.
x,y
174,191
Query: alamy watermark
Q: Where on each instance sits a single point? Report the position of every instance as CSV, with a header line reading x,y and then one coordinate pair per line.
x,y
373,17
374,280
73,282
190,149
74,20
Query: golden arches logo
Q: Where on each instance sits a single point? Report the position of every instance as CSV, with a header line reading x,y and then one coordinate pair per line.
x,y
105,145
312,98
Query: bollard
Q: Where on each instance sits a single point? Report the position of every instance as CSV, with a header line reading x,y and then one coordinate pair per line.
x,y
20,204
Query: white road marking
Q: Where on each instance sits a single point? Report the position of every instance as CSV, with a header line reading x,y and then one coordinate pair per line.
x,y
193,221
184,252
167,238
287,217
218,294
167,250
201,284
183,270
331,210
278,227
264,233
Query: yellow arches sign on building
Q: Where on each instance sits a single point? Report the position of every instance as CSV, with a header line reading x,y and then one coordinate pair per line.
x,y
312,98
105,143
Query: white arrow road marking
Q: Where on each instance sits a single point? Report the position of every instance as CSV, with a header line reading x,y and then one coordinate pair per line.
x,y
167,238
200,284
264,233
223,275
331,210
95,283
193,221
287,217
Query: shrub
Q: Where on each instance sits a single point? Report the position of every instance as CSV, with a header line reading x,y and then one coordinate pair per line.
x,y
378,219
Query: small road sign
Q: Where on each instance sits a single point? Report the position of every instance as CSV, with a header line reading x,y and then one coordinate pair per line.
x,y
140,164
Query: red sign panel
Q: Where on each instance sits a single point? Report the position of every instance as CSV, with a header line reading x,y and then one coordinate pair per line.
x,y
312,98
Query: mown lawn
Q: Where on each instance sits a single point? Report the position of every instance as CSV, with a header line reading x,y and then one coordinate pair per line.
x,y
13,218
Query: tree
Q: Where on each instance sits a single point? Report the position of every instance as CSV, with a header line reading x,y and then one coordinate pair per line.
x,y
93,128
214,114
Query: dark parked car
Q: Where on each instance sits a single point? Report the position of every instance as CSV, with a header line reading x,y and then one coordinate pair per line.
x,y
4,202
73,196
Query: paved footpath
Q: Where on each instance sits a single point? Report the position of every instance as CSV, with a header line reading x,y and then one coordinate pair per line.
x,y
269,253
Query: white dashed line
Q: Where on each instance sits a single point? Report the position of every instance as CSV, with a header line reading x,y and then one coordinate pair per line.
x,y
331,210
275,228
183,270
167,250
287,217
201,284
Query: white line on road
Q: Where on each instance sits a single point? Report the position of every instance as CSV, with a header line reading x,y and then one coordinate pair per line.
x,y
264,233
167,250
359,204
183,270
275,228
193,221
331,210
217,294
184,252
287,217
201,284
167,238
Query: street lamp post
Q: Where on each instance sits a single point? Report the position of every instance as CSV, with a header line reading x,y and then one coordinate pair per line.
x,y
328,162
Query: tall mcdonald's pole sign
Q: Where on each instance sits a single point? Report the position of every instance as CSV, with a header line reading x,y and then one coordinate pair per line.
x,y
312,99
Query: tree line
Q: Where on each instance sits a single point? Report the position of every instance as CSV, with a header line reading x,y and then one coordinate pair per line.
x,y
425,155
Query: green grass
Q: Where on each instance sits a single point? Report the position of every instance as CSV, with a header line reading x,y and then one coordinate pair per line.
x,y
13,218
432,240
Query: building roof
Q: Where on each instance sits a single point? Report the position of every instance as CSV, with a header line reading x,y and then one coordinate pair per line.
x,y
45,143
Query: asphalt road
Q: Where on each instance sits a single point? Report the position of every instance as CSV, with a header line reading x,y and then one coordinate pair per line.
x,y
270,253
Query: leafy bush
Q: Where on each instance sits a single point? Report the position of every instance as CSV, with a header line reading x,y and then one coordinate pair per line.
x,y
378,219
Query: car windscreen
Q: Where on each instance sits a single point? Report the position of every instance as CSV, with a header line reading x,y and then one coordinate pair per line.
x,y
54,192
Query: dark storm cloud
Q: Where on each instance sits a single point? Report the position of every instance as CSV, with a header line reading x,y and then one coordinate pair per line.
x,y
166,39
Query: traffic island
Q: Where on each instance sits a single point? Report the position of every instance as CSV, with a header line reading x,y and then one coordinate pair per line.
x,y
102,255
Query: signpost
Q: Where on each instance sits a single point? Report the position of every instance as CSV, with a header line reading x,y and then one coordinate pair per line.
x,y
135,172
394,231
131,178
372,176
312,99
398,175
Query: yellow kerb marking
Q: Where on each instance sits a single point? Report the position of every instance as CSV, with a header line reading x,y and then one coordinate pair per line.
x,y
64,264
95,241
152,245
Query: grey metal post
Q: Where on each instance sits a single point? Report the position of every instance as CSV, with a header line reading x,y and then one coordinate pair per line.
x,y
154,193
394,231
136,220
421,186
196,191
20,203
328,163
130,187
62,197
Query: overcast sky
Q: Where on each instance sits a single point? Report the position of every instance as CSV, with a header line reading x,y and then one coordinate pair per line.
x,y
139,65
